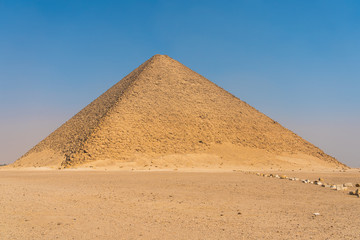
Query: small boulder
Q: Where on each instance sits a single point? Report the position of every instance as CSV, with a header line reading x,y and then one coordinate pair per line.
x,y
347,185
357,185
318,183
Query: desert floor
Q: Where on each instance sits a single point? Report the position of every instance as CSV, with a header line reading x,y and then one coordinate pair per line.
x,y
73,204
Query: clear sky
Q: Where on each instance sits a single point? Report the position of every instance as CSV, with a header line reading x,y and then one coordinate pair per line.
x,y
296,61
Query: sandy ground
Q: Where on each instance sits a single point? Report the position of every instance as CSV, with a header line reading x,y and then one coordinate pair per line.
x,y
70,204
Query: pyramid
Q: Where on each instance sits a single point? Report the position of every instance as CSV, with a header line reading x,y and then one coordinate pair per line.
x,y
166,114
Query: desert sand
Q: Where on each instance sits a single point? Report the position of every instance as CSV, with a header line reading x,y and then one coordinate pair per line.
x,y
218,204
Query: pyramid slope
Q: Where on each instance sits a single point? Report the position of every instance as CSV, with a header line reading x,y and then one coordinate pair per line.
x,y
70,137
164,110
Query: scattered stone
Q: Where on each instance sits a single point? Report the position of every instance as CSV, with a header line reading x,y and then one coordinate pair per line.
x,y
316,214
277,176
357,185
333,187
325,186
321,179
318,183
339,187
297,179
283,177
347,185
357,192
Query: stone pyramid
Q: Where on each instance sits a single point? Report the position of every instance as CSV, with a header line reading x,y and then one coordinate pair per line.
x,y
166,114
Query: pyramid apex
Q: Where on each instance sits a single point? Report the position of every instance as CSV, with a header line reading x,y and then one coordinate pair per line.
x,y
161,60
160,56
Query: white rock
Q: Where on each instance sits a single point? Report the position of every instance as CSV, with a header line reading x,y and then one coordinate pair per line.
x,y
340,188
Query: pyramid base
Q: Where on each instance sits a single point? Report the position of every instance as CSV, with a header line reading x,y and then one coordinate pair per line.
x,y
225,156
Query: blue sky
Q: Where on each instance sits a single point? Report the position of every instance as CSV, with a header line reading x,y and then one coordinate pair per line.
x,y
296,61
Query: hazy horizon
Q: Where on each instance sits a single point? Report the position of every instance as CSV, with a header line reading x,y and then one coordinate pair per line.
x,y
295,62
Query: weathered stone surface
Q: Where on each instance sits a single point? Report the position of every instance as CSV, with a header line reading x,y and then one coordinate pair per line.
x,y
161,109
